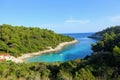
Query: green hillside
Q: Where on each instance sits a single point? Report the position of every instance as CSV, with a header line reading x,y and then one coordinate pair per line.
x,y
114,29
17,40
109,30
103,64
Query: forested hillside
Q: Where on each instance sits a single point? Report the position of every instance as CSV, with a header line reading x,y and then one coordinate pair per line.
x,y
114,29
110,30
110,39
17,40
106,56
103,64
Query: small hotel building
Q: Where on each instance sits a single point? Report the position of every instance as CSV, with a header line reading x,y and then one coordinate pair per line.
x,y
5,57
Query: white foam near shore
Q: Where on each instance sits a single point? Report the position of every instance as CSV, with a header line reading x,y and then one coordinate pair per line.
x,y
28,55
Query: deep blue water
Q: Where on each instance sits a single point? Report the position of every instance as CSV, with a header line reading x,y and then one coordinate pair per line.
x,y
78,50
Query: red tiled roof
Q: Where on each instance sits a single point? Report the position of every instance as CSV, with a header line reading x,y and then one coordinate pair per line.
x,y
4,54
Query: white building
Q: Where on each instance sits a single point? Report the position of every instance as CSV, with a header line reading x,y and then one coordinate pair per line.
x,y
5,57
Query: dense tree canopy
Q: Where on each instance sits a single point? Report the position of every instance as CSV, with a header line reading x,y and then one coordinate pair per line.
x,y
18,40
109,31
114,29
108,42
103,64
107,53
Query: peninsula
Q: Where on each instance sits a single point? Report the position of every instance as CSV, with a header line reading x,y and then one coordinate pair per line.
x,y
19,40
24,56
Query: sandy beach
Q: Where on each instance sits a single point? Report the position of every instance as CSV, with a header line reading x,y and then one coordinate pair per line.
x,y
24,56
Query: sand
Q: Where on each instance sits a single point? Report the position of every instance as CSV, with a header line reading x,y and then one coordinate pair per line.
x,y
28,55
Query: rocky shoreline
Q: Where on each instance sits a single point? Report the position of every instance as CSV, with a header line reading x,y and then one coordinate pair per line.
x,y
28,55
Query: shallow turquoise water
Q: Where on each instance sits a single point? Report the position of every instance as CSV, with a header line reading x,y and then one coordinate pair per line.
x,y
78,50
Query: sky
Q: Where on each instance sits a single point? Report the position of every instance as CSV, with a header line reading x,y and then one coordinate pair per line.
x,y
61,16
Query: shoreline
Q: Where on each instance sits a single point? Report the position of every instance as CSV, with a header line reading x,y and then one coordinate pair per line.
x,y
28,55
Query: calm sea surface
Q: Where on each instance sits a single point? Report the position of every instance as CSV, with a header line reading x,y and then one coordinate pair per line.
x,y
74,51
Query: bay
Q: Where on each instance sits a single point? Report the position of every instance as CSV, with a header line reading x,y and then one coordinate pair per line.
x,y
78,50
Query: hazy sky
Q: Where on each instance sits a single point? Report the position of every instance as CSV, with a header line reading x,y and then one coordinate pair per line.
x,y
62,16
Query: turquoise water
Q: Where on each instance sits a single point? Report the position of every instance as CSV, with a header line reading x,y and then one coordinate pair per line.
x,y
78,50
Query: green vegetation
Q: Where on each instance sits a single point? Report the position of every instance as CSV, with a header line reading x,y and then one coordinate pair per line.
x,y
114,29
41,71
106,54
103,64
110,30
109,40
18,40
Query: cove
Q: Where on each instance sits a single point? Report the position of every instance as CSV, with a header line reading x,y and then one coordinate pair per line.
x,y
78,50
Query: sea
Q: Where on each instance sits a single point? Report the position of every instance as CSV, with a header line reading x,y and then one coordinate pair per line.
x,y
78,50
